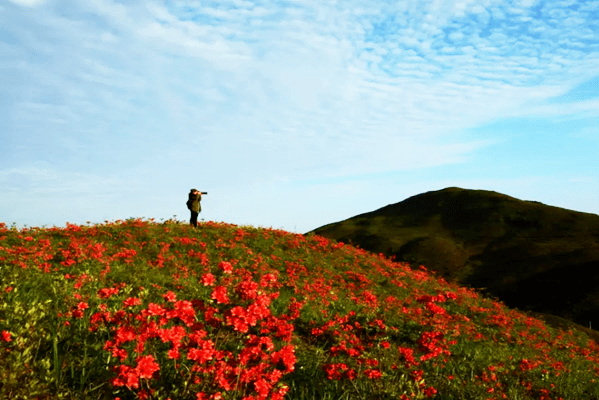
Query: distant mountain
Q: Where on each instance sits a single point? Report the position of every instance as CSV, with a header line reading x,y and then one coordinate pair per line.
x,y
530,255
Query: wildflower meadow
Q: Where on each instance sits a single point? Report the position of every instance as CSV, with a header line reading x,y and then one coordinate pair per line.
x,y
139,309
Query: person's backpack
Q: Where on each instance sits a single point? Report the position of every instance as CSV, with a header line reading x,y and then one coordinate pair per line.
x,y
188,204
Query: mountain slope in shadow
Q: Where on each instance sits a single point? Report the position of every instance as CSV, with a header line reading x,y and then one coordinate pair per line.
x,y
530,255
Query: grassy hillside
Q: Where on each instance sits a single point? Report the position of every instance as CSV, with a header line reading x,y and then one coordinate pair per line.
x,y
529,255
143,310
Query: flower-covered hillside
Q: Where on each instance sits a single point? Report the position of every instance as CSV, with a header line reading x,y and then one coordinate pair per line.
x,y
138,309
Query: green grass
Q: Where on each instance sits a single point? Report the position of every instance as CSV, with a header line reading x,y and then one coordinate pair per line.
x,y
139,309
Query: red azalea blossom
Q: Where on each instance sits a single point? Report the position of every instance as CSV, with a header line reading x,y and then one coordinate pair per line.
x,y
6,336
155,309
262,387
146,366
204,353
174,354
208,279
248,290
435,308
125,334
268,280
373,373
106,293
286,355
170,296
226,267
220,295
351,374
430,391
127,376
131,301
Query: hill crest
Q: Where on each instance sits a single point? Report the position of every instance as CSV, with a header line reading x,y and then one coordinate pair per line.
x,y
530,255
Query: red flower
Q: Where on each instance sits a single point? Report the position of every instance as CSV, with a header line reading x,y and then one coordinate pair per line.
x,y
127,377
174,353
435,308
226,267
370,299
262,387
146,366
155,309
451,295
280,393
131,301
430,391
268,280
373,373
220,295
334,371
201,355
6,336
170,296
174,334
247,289
184,310
208,279
105,293
124,334
287,356
417,375
240,319
351,374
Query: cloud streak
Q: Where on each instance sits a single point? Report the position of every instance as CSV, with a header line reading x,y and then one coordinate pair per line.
x,y
252,93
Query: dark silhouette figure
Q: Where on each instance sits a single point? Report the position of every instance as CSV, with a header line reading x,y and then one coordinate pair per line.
x,y
193,204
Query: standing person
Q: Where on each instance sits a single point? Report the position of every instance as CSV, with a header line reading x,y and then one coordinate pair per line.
x,y
195,196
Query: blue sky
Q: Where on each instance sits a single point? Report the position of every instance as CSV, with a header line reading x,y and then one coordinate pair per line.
x,y
292,114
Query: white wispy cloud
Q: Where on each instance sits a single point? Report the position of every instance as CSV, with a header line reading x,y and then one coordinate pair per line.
x,y
28,3
255,92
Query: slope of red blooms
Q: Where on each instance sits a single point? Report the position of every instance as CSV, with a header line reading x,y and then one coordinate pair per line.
x,y
138,309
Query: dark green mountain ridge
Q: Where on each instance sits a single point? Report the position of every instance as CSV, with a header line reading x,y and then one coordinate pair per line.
x,y
532,256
